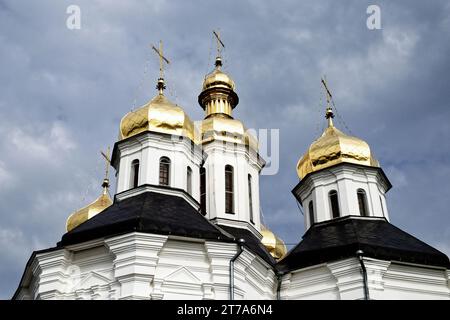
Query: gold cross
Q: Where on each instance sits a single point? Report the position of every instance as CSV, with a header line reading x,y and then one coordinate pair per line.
x,y
329,115
162,59
107,162
329,96
219,42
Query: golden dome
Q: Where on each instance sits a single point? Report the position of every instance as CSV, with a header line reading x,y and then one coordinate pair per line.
x,y
273,244
226,129
158,115
334,147
217,78
218,99
89,211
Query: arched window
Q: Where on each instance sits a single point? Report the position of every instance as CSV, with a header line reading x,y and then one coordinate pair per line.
x,y
334,203
134,177
164,171
229,190
203,190
189,180
250,198
311,213
362,202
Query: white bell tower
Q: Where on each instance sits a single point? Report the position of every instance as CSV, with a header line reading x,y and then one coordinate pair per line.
x,y
340,177
229,178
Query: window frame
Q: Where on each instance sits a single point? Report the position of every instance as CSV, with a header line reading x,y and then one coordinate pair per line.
x,y
164,176
311,212
250,198
362,192
189,180
333,195
229,189
203,190
134,174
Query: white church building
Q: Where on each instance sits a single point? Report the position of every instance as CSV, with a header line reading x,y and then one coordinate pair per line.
x,y
184,222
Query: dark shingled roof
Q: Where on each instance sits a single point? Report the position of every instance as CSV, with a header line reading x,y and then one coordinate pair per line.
x,y
377,238
149,212
251,242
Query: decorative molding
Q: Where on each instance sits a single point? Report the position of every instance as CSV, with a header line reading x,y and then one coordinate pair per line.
x,y
158,189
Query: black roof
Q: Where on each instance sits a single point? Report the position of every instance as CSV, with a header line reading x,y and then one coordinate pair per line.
x,y
150,212
251,242
377,238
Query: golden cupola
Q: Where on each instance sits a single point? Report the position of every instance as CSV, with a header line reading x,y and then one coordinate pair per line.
x,y
218,98
159,114
92,209
273,244
334,147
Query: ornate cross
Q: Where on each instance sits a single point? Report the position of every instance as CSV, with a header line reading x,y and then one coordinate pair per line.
x,y
219,42
107,162
329,115
162,59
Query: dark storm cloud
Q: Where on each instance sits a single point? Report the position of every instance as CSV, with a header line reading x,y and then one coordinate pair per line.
x,y
64,92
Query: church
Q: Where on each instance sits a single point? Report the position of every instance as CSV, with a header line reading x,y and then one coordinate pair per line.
x,y
184,222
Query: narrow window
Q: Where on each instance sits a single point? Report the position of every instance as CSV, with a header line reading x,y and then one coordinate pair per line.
x,y
334,202
311,213
250,199
362,202
189,180
134,178
203,190
164,171
229,205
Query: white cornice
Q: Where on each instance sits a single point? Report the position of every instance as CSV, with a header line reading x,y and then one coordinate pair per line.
x,y
237,224
157,189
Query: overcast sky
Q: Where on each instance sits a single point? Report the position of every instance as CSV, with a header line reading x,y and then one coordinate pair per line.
x,y
63,93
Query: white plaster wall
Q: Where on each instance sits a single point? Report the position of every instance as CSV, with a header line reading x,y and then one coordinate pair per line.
x,y
148,149
386,281
346,180
147,266
243,163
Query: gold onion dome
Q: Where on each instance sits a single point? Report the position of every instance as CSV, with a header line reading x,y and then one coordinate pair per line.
x,y
89,211
273,244
334,147
218,99
217,78
157,115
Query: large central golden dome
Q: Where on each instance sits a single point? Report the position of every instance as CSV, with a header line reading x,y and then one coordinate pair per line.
x,y
158,115
334,147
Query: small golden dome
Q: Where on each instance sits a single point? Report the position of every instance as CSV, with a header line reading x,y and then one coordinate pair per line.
x,y
218,97
217,78
89,211
273,244
334,147
159,115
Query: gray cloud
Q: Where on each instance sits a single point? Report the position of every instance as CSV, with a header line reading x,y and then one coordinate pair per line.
x,y
64,92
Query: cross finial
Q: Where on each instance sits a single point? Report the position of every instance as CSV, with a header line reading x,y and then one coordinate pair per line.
x,y
105,183
161,86
329,115
220,45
